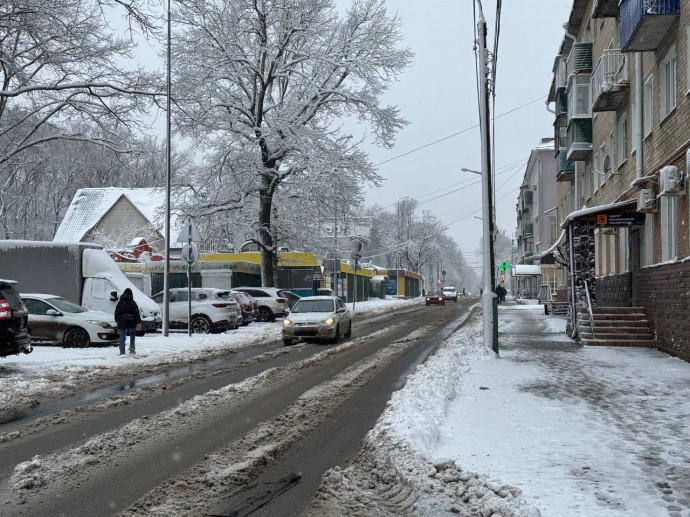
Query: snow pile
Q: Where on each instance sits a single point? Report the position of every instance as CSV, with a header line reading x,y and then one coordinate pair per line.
x,y
394,475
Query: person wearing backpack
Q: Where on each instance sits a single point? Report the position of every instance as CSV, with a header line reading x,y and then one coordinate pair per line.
x,y
128,319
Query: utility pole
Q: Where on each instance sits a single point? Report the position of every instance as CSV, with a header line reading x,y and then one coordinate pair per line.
x,y
489,307
166,276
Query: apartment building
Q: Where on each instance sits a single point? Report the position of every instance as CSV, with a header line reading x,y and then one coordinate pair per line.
x,y
537,224
620,93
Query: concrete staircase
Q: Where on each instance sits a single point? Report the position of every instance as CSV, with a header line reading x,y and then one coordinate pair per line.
x,y
615,326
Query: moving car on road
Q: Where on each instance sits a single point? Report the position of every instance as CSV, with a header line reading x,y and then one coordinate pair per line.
x,y
450,293
54,319
435,297
213,310
14,326
318,317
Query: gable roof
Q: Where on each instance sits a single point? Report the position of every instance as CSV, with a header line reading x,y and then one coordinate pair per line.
x,y
89,205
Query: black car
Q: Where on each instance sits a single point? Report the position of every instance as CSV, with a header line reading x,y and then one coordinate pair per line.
x,y
14,321
435,297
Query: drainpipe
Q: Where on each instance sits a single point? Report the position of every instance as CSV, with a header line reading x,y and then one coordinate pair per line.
x,y
639,172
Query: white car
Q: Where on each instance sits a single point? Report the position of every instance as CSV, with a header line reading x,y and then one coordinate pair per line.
x,y
271,303
54,319
450,293
318,317
213,310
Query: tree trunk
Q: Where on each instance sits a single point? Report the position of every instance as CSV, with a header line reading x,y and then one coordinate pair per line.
x,y
268,252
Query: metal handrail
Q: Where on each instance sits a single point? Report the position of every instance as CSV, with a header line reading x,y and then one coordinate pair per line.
x,y
589,308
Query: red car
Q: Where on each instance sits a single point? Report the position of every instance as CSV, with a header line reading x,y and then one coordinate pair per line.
x,y
435,297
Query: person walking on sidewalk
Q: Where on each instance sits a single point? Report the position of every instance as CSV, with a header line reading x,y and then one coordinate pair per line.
x,y
501,293
128,320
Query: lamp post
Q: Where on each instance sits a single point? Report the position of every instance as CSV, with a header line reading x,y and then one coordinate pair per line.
x,y
397,268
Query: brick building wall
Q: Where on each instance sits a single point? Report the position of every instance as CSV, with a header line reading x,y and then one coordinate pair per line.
x,y
614,291
664,291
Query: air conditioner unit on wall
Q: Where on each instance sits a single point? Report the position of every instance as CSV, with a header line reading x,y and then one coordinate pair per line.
x,y
671,181
646,201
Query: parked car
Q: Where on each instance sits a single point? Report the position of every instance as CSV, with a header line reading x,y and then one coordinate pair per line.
x,y
213,310
271,303
14,321
450,293
290,297
247,306
57,320
435,297
318,317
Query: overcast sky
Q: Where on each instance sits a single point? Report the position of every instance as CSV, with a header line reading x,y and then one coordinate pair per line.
x,y
438,97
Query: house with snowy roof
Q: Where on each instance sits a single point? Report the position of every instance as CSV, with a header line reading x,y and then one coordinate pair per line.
x,y
115,217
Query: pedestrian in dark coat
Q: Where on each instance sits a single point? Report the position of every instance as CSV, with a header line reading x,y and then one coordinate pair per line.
x,y
128,319
501,293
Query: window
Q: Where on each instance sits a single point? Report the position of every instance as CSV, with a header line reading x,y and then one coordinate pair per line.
x,y
647,111
667,76
613,156
580,99
622,148
668,228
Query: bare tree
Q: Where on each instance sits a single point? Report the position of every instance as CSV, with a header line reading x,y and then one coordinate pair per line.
x,y
266,85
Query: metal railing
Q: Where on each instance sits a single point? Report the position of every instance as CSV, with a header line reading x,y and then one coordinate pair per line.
x,y
611,70
589,308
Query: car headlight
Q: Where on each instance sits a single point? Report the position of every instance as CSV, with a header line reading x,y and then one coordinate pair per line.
x,y
287,322
103,324
329,321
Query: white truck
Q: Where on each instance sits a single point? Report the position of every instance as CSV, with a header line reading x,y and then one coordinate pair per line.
x,y
81,272
450,293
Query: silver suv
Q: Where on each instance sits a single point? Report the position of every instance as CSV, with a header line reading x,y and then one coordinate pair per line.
x,y
271,303
213,310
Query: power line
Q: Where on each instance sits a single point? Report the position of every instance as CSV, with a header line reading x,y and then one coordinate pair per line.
x,y
457,133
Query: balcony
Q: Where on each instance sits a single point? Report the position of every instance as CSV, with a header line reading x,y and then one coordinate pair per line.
x,y
605,9
644,23
560,132
610,82
565,169
527,196
579,139
528,229
579,60
561,101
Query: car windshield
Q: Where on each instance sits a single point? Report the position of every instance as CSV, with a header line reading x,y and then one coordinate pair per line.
x,y
66,305
313,306
226,295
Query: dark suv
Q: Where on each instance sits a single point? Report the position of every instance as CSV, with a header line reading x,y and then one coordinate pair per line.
x,y
14,321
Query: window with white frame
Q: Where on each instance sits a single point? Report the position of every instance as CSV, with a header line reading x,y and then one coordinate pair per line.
x,y
647,106
668,228
622,148
580,98
598,176
612,154
633,129
667,79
